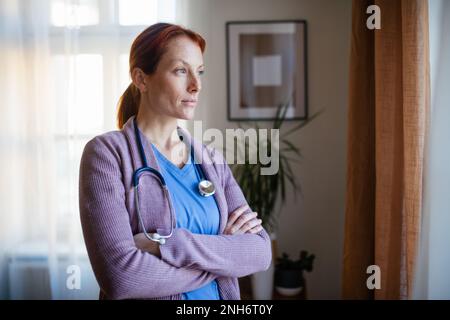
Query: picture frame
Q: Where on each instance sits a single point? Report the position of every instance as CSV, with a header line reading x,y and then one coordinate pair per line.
x,y
266,67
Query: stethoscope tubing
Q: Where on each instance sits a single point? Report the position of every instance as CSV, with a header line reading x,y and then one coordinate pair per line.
x,y
161,239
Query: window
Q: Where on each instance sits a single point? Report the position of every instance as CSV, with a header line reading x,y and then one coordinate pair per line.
x,y
85,12
89,43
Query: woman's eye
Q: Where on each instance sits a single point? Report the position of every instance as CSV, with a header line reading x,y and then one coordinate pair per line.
x,y
184,71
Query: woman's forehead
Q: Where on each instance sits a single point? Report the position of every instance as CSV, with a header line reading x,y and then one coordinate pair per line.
x,y
183,49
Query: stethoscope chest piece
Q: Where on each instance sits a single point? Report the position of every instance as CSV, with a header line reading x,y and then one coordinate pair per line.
x,y
156,237
206,188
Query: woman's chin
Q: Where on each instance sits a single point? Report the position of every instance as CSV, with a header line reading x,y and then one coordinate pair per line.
x,y
187,114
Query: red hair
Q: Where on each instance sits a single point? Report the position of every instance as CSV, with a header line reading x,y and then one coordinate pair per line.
x,y
146,52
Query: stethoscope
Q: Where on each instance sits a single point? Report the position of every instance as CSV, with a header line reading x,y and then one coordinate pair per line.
x,y
205,188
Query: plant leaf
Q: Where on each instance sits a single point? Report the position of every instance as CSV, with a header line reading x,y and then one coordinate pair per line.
x,y
302,124
292,147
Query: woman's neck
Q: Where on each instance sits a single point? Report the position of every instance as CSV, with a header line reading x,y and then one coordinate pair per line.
x,y
158,129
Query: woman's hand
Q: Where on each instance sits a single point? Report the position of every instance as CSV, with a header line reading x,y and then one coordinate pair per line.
x,y
147,245
240,222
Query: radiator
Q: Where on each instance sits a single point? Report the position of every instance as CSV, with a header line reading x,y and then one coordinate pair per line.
x,y
30,276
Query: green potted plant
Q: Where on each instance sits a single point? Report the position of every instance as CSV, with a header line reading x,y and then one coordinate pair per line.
x,y
289,278
262,191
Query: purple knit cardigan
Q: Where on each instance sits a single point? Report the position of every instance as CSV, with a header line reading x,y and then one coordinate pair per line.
x,y
188,261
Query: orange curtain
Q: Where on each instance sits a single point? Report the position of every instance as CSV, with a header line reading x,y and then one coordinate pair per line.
x,y
389,101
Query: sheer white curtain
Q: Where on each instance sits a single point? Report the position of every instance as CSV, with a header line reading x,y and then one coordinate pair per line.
x,y
432,278
64,65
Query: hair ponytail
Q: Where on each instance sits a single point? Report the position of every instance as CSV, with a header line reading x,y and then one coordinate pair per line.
x,y
128,105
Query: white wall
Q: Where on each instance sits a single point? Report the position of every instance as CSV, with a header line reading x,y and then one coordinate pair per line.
x,y
315,222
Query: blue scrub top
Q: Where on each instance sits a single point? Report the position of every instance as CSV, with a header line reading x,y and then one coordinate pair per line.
x,y
192,211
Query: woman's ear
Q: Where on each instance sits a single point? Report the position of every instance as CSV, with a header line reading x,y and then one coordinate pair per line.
x,y
139,79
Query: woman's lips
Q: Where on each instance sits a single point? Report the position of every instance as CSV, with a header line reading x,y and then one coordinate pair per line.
x,y
190,103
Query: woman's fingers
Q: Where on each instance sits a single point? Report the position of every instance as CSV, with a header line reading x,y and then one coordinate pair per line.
x,y
141,241
146,245
243,219
250,224
256,229
240,222
234,216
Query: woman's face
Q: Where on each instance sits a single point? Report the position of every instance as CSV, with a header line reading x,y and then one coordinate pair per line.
x,y
173,89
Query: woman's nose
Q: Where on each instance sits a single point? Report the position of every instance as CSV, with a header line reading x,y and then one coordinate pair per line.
x,y
194,84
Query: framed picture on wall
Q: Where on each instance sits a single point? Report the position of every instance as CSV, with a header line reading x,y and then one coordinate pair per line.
x,y
266,67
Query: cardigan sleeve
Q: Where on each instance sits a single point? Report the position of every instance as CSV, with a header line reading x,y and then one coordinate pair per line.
x,y
122,270
223,255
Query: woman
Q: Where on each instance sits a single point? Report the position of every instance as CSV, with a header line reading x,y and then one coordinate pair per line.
x,y
144,242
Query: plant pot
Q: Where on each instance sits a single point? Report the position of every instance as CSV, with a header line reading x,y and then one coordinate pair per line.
x,y
262,282
289,282
288,292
